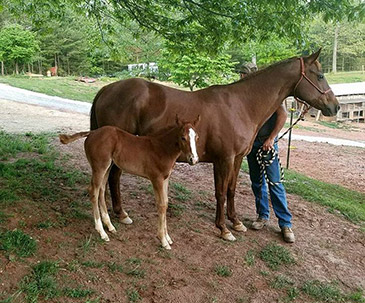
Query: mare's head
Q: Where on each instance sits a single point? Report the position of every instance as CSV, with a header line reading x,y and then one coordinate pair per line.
x,y
313,87
187,139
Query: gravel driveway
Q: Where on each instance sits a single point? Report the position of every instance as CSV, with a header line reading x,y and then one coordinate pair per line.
x,y
26,111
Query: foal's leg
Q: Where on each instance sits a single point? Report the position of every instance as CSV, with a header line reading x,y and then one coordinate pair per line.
x,y
114,185
161,202
96,183
166,191
231,191
104,211
222,172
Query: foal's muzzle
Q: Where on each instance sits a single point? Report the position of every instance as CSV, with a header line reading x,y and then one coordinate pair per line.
x,y
193,160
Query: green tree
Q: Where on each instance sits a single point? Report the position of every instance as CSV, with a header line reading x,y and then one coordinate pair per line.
x,y
17,45
206,25
265,52
194,70
350,43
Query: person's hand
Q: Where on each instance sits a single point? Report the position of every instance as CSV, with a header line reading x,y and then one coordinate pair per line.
x,y
268,144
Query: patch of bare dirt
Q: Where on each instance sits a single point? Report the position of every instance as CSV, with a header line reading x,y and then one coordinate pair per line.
x,y
327,247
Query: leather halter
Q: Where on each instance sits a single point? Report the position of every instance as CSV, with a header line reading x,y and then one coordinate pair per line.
x,y
303,75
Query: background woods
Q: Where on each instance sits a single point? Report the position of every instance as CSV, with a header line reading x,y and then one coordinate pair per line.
x,y
194,43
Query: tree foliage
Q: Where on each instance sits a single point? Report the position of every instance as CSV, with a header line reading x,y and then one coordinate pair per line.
x,y
351,43
195,70
195,42
207,25
17,45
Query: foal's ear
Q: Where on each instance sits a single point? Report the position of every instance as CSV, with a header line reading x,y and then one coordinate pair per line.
x,y
313,57
197,120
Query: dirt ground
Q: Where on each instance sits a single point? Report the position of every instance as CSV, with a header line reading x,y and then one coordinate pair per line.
x,y
328,248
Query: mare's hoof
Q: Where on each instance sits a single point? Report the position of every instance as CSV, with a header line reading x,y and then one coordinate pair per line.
x,y
126,220
228,236
239,227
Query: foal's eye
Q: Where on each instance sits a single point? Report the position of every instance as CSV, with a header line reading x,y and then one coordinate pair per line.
x,y
320,77
183,138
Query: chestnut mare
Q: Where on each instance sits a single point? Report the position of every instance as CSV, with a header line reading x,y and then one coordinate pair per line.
x,y
151,157
231,117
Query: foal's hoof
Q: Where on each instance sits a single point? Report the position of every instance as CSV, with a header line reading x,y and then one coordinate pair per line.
x,y
228,236
167,246
239,227
169,239
113,231
105,238
126,220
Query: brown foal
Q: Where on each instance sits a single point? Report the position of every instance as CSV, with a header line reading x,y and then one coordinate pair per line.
x,y
151,157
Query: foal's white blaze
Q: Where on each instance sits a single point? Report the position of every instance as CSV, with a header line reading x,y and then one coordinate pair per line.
x,y
192,136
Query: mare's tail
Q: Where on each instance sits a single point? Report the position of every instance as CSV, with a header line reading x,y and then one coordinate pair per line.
x,y
65,139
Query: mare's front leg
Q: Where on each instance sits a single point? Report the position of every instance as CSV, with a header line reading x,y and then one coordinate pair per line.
x,y
160,187
231,191
114,185
222,171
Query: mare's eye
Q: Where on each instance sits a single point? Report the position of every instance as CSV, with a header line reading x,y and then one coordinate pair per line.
x,y
320,77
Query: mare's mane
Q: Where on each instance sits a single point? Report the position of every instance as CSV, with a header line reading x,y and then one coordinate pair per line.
x,y
259,72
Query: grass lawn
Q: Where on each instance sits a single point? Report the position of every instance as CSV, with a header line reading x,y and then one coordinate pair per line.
x,y
65,87
345,77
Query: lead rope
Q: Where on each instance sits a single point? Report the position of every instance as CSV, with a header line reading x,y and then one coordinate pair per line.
x,y
266,158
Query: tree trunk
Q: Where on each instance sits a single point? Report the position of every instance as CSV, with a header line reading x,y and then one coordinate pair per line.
x,y
334,58
16,68
68,66
2,68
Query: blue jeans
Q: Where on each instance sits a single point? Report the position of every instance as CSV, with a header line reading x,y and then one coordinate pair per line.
x,y
277,192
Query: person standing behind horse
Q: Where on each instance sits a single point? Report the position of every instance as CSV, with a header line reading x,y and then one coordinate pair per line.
x,y
265,139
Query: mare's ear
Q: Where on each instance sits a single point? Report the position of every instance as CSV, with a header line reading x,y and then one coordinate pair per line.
x,y
313,57
197,120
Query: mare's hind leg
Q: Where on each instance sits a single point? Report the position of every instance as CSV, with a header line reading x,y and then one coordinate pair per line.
x,y
222,172
104,211
159,187
114,185
231,191
96,183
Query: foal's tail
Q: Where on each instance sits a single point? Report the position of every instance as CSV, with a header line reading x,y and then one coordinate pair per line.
x,y
65,139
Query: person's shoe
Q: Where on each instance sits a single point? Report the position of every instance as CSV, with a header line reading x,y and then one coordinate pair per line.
x,y
259,224
288,234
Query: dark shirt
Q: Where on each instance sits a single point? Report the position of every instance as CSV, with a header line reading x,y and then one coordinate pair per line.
x,y
267,128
